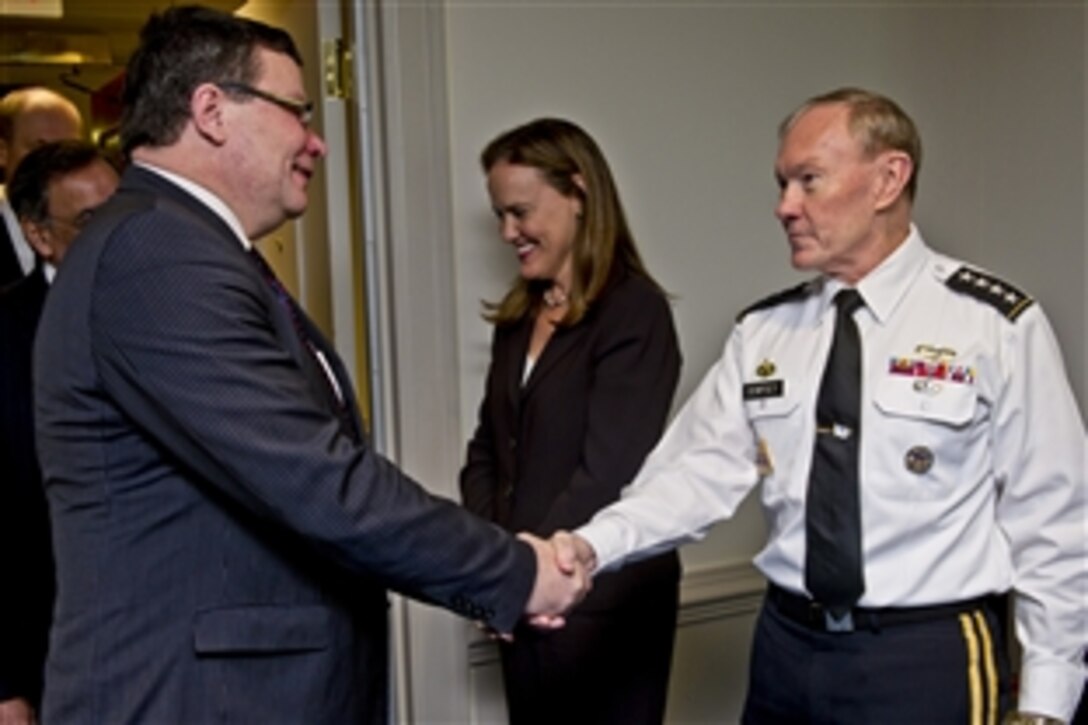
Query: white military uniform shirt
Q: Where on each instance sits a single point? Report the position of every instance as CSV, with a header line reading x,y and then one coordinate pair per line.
x,y
972,458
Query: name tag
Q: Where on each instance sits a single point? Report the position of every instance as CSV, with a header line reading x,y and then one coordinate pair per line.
x,y
764,389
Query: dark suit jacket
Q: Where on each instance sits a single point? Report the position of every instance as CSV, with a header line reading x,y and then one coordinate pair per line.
x,y
10,269
26,559
222,545
549,454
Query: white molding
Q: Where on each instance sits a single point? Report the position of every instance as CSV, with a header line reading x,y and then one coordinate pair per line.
x,y
719,591
416,414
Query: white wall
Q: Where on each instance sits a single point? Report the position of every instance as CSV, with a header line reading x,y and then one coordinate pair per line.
x,y
685,97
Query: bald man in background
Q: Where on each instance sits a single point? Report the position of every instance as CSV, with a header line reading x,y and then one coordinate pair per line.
x,y
29,117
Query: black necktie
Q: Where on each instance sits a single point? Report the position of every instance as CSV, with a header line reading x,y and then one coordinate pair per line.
x,y
833,573
347,421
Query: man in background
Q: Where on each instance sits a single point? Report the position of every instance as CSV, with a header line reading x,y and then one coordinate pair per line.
x,y
935,461
54,191
224,533
29,117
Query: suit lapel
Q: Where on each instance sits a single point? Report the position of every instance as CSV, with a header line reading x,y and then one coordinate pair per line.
x,y
21,305
306,343
511,364
349,403
143,180
10,269
562,342
37,288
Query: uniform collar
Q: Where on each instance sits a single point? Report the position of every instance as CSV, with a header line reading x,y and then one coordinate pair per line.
x,y
884,287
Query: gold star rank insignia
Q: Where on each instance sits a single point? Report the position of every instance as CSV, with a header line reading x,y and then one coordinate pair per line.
x,y
1006,298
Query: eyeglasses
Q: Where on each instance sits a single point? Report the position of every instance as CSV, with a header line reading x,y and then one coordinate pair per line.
x,y
81,220
302,110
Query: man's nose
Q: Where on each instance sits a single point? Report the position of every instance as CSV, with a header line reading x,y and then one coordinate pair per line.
x,y
316,146
788,203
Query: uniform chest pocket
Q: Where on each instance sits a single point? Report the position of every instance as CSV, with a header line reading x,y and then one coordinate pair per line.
x,y
931,402
925,441
775,419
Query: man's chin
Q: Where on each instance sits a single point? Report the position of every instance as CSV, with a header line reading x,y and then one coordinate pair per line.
x,y
803,262
296,210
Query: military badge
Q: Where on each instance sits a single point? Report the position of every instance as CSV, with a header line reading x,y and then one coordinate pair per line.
x,y
929,364
763,459
919,459
990,290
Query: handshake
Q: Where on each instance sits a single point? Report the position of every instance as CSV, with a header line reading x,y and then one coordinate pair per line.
x,y
564,569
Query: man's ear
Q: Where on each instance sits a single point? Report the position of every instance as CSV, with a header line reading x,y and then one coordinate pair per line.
x,y
206,108
39,239
894,169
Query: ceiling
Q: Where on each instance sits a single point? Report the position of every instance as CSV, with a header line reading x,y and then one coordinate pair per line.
x,y
92,13
80,51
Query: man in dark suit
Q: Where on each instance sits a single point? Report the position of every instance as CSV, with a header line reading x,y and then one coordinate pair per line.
x,y
29,117
54,191
224,535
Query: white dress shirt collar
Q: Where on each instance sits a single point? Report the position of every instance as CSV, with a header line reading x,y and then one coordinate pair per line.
x,y
884,287
206,197
23,251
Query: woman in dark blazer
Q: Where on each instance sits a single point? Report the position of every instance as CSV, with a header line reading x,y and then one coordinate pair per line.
x,y
584,365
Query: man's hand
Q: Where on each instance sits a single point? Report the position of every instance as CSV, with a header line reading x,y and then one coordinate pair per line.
x,y
562,579
16,712
574,545
573,558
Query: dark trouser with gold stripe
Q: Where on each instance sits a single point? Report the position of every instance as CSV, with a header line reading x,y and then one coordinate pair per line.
x,y
953,669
